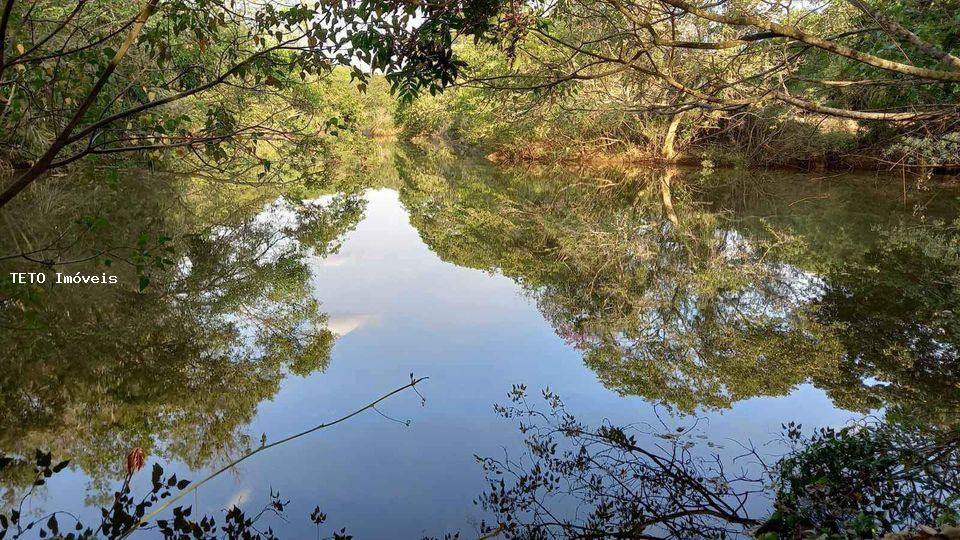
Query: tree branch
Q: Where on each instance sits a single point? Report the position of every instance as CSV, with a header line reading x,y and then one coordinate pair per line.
x,y
193,487
4,21
63,139
893,27
818,42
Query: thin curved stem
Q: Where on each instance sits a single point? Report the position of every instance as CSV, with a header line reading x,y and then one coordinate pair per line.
x,y
146,519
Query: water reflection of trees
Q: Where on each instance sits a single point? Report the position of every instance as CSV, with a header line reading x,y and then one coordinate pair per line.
x,y
726,296
897,311
178,369
574,480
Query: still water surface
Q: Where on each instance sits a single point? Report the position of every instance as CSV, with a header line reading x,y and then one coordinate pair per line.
x,y
754,303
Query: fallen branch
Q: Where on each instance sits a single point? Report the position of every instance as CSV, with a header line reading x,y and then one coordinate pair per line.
x,y
146,519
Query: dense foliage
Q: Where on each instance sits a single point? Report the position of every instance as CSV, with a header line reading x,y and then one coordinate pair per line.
x,y
866,481
230,83
817,84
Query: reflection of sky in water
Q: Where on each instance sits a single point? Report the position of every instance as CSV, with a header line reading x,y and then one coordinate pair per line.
x,y
400,309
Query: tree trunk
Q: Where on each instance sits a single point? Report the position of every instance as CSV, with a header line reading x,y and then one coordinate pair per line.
x,y
668,151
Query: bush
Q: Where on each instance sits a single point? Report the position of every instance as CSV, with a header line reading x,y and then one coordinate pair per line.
x,y
866,481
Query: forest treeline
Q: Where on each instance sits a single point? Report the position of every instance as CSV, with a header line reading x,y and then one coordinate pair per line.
x,y
243,88
824,84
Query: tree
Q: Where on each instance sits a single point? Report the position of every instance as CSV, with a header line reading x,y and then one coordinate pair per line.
x,y
699,57
103,77
656,75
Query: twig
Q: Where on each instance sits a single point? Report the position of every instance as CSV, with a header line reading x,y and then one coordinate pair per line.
x,y
146,519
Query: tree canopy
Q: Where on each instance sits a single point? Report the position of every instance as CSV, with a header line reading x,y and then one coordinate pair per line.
x,y
101,77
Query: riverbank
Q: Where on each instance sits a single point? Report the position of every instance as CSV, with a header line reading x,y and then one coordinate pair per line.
x,y
713,158
525,130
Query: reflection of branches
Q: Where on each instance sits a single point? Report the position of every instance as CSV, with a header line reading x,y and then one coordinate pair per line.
x,y
898,306
372,405
126,515
603,483
864,480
